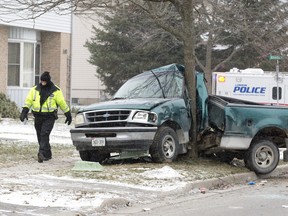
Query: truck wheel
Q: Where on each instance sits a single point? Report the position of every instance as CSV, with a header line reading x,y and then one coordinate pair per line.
x,y
165,146
262,157
93,155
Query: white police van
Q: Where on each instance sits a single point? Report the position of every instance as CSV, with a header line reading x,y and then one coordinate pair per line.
x,y
252,84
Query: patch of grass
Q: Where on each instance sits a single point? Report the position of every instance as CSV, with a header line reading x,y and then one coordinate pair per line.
x,y
16,153
131,173
60,151
203,168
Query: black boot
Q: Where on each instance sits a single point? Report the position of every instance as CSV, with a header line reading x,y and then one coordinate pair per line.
x,y
41,158
47,158
48,155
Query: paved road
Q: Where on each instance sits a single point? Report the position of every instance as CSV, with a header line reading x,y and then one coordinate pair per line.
x,y
263,198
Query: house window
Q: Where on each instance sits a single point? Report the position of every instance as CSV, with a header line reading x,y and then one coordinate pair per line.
x,y
13,64
23,64
28,65
75,100
37,64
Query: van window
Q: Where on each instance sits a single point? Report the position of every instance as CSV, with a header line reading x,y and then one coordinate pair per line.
x,y
274,93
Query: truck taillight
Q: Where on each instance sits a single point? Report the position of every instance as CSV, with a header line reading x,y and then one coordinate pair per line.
x,y
221,79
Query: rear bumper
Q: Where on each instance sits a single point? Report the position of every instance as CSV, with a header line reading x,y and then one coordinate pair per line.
x,y
116,139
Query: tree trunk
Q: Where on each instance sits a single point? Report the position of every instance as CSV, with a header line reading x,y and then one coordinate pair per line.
x,y
189,62
191,85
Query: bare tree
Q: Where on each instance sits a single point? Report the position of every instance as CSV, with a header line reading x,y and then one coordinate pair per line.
x,y
31,9
160,11
235,24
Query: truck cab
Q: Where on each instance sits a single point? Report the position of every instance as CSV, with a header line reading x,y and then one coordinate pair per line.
x,y
149,114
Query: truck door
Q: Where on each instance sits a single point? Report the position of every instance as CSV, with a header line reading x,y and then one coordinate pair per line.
x,y
277,99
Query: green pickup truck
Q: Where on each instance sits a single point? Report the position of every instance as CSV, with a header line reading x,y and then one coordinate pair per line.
x,y
150,115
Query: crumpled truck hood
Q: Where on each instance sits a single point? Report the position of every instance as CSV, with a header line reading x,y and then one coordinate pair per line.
x,y
139,104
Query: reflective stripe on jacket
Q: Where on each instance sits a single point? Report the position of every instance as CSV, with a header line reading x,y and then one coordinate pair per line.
x,y
55,100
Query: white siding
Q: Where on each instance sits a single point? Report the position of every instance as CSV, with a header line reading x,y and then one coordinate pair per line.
x,y
18,95
47,22
84,82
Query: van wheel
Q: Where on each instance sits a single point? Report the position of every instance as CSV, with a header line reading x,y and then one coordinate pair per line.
x,y
165,146
262,157
93,155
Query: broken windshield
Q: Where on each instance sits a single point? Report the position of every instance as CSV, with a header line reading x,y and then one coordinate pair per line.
x,y
149,84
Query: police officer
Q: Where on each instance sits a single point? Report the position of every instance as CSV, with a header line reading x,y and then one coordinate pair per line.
x,y
44,99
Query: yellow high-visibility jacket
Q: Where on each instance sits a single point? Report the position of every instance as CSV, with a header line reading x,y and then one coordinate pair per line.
x,y
54,100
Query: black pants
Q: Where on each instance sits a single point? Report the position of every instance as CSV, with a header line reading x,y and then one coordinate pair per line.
x,y
44,125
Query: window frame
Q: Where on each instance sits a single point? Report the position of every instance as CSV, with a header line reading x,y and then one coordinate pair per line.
x,y
14,64
36,77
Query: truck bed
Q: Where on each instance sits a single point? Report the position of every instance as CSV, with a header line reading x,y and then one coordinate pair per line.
x,y
221,109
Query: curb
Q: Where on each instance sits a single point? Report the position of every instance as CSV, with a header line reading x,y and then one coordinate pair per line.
x,y
127,208
214,183
239,178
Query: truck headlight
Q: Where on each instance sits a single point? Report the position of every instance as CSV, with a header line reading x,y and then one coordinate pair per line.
x,y
145,117
79,119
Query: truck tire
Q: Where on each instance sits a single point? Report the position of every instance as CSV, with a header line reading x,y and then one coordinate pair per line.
x,y
165,146
93,156
262,157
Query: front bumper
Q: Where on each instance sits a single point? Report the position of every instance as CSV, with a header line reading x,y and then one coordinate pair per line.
x,y
117,139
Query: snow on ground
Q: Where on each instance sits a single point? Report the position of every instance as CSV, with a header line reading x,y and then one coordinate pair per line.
x,y
24,131
165,172
40,190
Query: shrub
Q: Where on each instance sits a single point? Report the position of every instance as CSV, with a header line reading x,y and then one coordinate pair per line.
x,y
8,108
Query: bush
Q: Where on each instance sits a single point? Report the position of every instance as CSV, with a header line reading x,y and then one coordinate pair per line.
x,y
8,108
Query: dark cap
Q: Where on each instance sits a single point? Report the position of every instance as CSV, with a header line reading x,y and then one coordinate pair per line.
x,y
45,76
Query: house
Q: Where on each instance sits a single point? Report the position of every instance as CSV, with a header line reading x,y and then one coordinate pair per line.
x,y
29,47
53,43
86,87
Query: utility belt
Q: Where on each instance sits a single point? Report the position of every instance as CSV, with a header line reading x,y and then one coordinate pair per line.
x,y
47,114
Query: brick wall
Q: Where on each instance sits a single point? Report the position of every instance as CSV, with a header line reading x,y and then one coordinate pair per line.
x,y
54,58
65,65
3,58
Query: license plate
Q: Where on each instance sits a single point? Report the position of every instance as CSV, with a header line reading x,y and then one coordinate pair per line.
x,y
98,141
